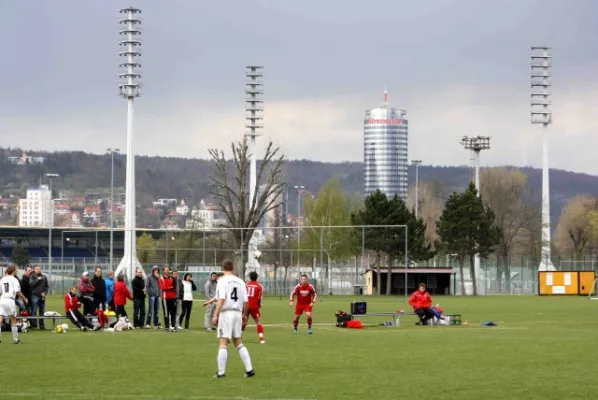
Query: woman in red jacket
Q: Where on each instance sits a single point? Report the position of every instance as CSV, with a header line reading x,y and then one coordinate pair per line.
x,y
421,301
121,294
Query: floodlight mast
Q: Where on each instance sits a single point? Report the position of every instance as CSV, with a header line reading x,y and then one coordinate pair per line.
x,y
254,108
476,145
542,114
130,89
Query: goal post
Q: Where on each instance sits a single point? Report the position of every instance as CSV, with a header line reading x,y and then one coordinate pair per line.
x,y
593,295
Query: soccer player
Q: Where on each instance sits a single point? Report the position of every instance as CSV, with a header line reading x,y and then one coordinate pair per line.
x,y
255,290
306,297
230,314
10,288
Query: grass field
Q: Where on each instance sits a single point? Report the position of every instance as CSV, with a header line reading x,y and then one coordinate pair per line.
x,y
543,348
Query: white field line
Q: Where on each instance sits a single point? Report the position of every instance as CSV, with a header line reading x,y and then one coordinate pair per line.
x,y
146,396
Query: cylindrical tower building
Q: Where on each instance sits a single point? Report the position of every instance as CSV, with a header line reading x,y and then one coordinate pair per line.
x,y
385,151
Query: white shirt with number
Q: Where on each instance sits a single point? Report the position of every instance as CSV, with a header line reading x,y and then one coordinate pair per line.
x,y
9,287
232,290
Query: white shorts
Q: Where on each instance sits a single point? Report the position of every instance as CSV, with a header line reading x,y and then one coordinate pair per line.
x,y
8,308
230,324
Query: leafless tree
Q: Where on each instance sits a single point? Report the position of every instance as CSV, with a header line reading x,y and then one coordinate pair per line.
x,y
230,186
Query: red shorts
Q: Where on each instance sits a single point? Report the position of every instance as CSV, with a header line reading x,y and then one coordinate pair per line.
x,y
300,308
254,313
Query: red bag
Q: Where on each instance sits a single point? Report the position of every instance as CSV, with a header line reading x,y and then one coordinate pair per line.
x,y
355,324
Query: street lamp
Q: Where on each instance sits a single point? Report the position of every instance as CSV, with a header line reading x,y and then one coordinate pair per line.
x,y
299,189
416,164
111,152
541,114
50,176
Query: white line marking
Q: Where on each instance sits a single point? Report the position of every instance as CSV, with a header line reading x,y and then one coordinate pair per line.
x,y
146,396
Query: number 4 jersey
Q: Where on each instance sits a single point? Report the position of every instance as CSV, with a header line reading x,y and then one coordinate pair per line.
x,y
232,290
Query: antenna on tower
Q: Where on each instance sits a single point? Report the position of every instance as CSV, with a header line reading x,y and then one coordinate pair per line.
x,y
385,104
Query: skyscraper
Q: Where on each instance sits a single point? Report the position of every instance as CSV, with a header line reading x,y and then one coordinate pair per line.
x,y
385,150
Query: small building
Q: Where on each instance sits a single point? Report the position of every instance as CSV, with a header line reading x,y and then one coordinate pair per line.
x,y
438,280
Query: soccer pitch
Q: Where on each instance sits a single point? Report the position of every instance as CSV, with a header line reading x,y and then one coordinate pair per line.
x,y
542,348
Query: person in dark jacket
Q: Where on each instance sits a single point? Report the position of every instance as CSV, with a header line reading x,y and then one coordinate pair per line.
x,y
178,283
99,291
39,288
138,285
152,289
26,290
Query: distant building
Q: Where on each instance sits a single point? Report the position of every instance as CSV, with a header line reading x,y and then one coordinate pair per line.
x,y
25,159
206,217
385,151
36,209
182,208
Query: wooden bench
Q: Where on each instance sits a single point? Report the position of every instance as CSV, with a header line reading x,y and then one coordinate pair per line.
x,y
396,316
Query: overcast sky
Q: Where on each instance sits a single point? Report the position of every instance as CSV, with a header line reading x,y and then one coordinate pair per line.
x,y
459,67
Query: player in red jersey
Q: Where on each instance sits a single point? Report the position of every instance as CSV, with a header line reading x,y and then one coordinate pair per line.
x,y
306,297
255,292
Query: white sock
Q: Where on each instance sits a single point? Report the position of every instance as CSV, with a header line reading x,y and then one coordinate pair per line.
x,y
244,354
222,356
15,332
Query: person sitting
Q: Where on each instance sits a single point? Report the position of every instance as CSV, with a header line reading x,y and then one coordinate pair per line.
x,y
421,301
71,308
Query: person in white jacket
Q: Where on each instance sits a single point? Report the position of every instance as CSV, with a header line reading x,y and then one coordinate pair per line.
x,y
188,289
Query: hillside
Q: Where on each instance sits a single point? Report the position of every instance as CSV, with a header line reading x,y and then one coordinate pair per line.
x,y
162,177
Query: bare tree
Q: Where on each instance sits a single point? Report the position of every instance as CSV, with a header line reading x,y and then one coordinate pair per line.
x,y
574,229
230,186
430,206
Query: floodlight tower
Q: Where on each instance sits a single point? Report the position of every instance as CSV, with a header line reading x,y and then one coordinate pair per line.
x,y
254,108
541,114
476,145
130,89
416,164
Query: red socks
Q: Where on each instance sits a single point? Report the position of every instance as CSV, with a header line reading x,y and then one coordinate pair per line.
x,y
309,322
260,329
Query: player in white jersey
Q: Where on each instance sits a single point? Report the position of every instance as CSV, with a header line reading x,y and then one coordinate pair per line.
x,y
230,314
10,288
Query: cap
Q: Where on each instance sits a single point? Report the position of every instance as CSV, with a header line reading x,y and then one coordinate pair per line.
x,y
85,273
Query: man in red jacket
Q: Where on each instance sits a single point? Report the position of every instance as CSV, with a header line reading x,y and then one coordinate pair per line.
x,y
168,288
71,308
421,302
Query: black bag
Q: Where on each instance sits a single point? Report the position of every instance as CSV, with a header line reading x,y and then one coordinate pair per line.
x,y
341,320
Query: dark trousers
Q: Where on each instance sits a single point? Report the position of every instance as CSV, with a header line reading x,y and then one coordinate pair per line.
x,y
120,312
98,304
138,312
424,314
169,310
88,303
186,313
79,319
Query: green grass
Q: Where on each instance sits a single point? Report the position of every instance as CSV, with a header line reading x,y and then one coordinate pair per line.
x,y
543,348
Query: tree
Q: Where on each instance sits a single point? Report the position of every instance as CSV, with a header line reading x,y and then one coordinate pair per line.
x,y
505,191
574,229
430,206
329,208
466,228
232,190
146,248
20,256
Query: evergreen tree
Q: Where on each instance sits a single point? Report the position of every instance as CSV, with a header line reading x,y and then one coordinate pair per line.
x,y
20,256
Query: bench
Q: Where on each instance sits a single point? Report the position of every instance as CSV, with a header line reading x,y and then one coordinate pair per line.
x,y
396,317
54,318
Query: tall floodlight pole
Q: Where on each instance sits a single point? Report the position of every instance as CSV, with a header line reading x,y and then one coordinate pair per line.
x,y
50,176
299,190
476,145
541,114
129,89
111,152
254,108
416,164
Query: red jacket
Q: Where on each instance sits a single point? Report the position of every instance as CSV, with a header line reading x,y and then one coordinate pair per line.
x,y
420,300
71,302
167,287
121,294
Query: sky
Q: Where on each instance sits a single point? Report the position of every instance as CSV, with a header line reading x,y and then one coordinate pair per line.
x,y
459,68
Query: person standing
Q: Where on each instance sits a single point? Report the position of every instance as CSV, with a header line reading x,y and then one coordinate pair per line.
x,y
167,286
138,285
178,283
26,289
99,292
109,281
39,288
86,290
10,289
210,292
229,316
306,297
255,292
188,288
152,288
121,294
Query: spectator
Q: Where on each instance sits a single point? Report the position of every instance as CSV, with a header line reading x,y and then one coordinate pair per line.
x,y
99,293
39,288
26,289
86,291
188,288
138,286
109,281
210,293
121,294
421,302
178,284
152,288
71,308
168,293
